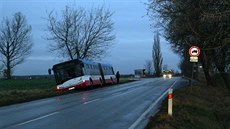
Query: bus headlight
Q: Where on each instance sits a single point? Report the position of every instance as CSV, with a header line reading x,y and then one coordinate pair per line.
x,y
58,87
164,76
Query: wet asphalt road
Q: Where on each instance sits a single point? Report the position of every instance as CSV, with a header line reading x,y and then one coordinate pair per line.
x,y
112,107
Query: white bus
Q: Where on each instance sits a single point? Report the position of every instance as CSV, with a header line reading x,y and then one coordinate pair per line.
x,y
80,73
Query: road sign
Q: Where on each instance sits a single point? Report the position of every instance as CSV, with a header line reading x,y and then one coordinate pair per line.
x,y
194,59
194,51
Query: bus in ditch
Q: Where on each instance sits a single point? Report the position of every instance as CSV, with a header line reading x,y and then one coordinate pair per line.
x,y
81,73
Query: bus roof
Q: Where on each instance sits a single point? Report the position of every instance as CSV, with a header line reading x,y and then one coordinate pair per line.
x,y
93,63
80,60
88,62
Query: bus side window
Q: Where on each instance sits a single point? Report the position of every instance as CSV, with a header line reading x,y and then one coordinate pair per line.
x,y
87,66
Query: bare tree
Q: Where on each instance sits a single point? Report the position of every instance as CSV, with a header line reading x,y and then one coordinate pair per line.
x,y
15,41
148,67
157,56
80,33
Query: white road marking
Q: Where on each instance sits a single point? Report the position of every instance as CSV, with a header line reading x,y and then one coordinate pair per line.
x,y
137,122
42,117
91,101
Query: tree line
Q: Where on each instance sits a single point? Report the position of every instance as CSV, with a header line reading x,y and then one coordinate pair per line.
x,y
202,23
75,32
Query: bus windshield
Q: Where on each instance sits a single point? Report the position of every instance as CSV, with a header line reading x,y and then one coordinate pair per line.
x,y
67,72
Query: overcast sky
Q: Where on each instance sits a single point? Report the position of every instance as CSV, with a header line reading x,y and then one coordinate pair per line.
x,y
132,46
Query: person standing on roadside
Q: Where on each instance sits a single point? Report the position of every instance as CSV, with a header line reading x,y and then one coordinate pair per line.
x,y
118,76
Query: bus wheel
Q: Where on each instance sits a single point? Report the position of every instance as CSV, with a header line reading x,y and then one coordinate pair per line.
x,y
91,83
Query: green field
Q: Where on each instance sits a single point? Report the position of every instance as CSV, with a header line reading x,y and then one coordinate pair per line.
x,y
26,84
16,91
23,90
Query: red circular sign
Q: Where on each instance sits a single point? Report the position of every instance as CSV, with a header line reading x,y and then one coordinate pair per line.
x,y
194,51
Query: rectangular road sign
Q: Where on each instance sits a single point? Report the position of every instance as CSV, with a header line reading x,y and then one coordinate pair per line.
x,y
193,59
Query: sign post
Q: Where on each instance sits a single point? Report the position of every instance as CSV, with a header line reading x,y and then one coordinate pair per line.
x,y
194,52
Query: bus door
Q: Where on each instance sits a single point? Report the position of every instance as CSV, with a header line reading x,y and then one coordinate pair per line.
x,y
101,72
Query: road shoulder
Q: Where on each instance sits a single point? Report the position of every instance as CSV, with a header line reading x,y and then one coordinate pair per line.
x,y
196,108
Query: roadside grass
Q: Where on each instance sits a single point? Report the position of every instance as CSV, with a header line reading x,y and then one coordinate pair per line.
x,y
24,90
200,108
26,84
126,80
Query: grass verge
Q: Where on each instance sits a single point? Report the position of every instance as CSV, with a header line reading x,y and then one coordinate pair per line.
x,y
199,108
24,90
